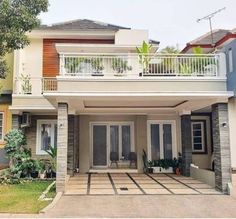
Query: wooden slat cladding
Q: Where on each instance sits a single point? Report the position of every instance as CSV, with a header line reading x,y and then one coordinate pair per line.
x,y
51,57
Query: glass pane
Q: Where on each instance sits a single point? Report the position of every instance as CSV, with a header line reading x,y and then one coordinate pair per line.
x,y
126,141
99,145
155,141
114,136
197,126
167,141
197,147
46,134
197,133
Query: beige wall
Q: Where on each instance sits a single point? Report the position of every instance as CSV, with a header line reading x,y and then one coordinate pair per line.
x,y
29,61
204,161
150,85
131,37
232,130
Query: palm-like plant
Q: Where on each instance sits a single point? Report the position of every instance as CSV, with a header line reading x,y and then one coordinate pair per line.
x,y
52,152
144,55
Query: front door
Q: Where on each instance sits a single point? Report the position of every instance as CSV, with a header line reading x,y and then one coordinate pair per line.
x,y
99,145
161,140
111,137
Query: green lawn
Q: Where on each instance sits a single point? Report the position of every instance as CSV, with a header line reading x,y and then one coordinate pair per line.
x,y
23,198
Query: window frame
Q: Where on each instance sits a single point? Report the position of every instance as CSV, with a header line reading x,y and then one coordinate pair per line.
x,y
174,138
53,122
204,137
108,124
3,133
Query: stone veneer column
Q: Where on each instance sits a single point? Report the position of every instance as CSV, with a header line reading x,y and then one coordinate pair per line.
x,y
141,140
221,146
62,145
186,137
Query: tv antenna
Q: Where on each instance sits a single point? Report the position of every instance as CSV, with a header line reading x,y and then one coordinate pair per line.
x,y
209,17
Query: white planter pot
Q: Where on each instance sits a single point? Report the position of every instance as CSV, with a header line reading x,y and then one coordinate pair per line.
x,y
41,175
162,170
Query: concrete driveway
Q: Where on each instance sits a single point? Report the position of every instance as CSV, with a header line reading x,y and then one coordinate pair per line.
x,y
144,206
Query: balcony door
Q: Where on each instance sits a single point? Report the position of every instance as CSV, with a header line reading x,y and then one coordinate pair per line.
x,y
111,137
161,140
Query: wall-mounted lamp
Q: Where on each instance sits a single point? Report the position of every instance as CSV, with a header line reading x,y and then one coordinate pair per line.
x,y
224,124
61,125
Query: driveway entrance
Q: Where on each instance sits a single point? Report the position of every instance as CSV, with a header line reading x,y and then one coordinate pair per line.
x,y
136,184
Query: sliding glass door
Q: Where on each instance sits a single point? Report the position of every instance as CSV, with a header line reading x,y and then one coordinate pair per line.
x,y
111,137
161,140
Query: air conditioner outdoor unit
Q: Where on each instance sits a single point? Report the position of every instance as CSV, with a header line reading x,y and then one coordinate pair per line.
x,y
25,119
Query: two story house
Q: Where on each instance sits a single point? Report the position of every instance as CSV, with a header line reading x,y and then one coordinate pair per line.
x,y
230,52
90,94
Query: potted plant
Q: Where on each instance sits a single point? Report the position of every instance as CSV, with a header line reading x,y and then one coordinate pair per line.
x,y
97,66
41,169
120,66
144,57
26,85
177,164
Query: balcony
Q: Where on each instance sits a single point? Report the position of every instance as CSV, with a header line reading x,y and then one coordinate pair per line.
x,y
155,73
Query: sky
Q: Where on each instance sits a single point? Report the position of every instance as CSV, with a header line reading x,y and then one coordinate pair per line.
x,y
172,22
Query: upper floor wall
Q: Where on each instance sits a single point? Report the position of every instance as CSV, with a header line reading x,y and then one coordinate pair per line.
x,y
230,52
55,59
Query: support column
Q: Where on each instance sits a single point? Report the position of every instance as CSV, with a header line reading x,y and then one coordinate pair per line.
x,y
62,144
186,137
141,140
221,146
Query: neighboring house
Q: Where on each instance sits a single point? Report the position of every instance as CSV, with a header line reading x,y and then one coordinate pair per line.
x,y
5,102
220,39
230,52
90,93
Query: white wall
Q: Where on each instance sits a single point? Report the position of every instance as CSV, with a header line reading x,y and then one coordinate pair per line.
x,y
29,61
131,37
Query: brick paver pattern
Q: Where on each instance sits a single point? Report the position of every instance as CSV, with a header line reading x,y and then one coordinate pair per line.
x,y
136,184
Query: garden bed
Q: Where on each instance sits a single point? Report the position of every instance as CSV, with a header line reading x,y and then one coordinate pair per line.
x,y
23,198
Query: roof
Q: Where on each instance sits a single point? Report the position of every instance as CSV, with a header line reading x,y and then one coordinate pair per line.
x,y
207,38
220,36
82,24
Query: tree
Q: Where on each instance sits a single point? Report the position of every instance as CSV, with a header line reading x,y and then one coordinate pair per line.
x,y
16,18
170,50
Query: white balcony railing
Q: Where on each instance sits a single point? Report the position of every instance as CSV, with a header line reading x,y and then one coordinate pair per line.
x,y
113,66
135,66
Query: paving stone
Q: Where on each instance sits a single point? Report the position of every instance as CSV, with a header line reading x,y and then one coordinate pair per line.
x,y
184,191
150,186
167,181
80,186
101,186
200,186
156,191
189,181
129,192
175,186
102,191
209,191
130,186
